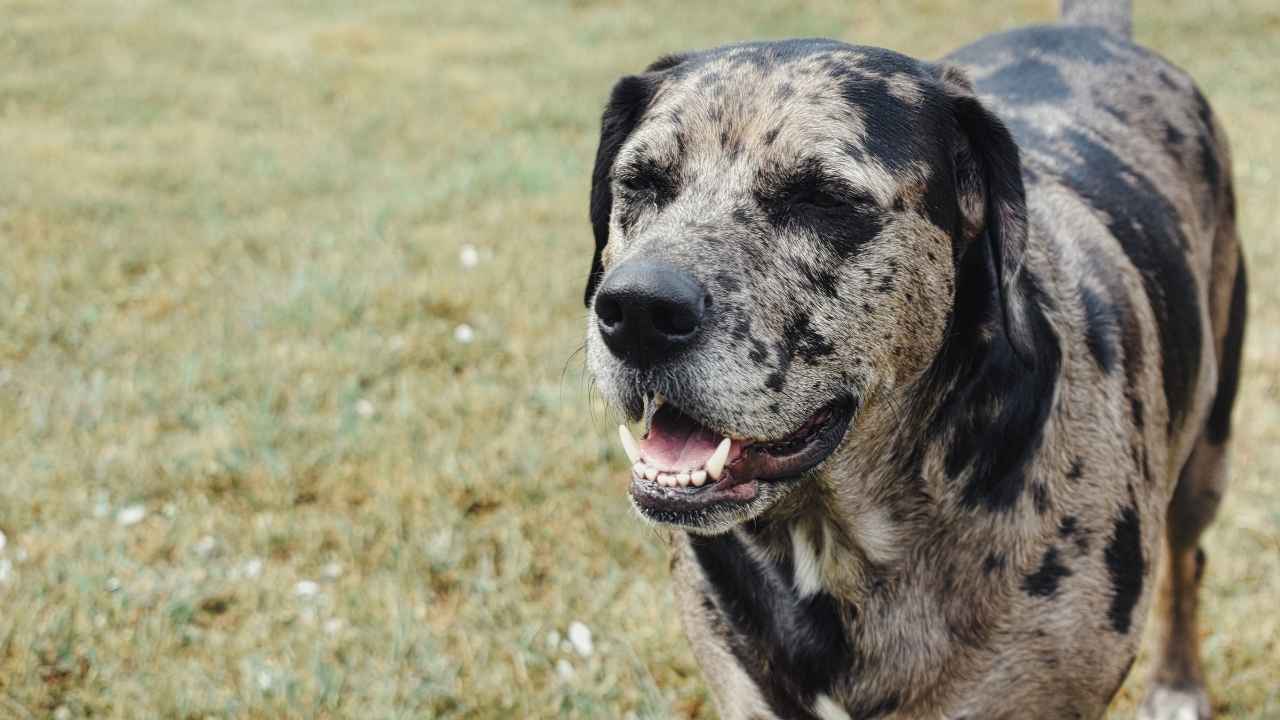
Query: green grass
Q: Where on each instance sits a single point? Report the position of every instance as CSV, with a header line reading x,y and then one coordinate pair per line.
x,y
229,291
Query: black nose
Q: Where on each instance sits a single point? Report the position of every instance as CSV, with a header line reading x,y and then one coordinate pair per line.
x,y
649,311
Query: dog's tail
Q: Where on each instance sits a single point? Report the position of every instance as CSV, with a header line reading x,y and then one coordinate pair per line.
x,y
1113,15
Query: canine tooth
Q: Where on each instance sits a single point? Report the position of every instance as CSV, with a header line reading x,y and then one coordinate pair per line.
x,y
629,445
650,473
683,479
697,477
715,465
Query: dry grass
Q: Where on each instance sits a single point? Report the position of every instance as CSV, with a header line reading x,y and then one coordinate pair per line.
x,y
229,295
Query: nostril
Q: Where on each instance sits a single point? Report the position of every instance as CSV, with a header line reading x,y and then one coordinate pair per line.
x,y
673,321
609,311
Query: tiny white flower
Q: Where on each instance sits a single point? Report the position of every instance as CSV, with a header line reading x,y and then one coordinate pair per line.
x,y
565,670
264,679
253,568
464,333
113,584
469,256
364,408
306,588
553,640
332,571
131,515
205,546
169,510
333,626
580,637
62,713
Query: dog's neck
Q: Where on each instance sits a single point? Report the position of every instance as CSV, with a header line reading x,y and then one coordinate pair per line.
x,y
857,571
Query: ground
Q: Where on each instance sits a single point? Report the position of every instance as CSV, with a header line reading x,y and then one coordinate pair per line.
x,y
292,416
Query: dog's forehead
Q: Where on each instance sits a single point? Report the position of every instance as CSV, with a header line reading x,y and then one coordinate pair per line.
x,y
761,102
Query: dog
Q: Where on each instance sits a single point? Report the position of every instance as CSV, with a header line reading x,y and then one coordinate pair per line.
x,y
934,362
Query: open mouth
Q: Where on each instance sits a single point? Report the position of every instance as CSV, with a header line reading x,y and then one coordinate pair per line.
x,y
682,466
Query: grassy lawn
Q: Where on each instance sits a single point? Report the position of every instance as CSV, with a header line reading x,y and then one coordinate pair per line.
x,y
292,421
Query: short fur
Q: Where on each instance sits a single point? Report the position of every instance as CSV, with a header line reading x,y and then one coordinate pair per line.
x,y
1021,263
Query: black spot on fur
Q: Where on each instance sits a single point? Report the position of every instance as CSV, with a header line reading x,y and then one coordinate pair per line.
x,y
1172,135
1045,580
1126,568
1040,498
1027,80
810,198
1067,526
793,647
1077,469
994,562
1146,224
771,135
1100,329
1218,428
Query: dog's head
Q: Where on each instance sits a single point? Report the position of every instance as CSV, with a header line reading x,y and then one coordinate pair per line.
x,y
786,234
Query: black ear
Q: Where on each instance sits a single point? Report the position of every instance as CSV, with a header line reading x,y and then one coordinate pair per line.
x,y
993,202
627,104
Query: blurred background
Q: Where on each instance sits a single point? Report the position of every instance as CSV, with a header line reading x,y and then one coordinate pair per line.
x,y
293,420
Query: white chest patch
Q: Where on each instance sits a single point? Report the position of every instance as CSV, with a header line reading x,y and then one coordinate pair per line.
x,y
827,709
808,570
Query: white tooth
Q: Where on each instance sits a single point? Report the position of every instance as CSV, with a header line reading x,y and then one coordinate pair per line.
x,y
715,466
629,444
683,479
697,477
664,480
650,473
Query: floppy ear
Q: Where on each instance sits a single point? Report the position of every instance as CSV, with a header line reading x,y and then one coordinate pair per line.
x,y
993,202
627,104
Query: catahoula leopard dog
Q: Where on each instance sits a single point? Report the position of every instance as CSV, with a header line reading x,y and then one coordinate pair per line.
x,y
933,364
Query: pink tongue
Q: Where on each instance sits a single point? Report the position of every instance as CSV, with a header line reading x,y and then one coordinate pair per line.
x,y
676,442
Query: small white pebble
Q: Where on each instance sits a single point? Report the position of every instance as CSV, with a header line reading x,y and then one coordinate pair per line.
x,y
131,515
6,570
3,541
253,568
332,571
553,640
580,637
306,588
205,546
469,256
565,670
333,626
364,408
464,334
